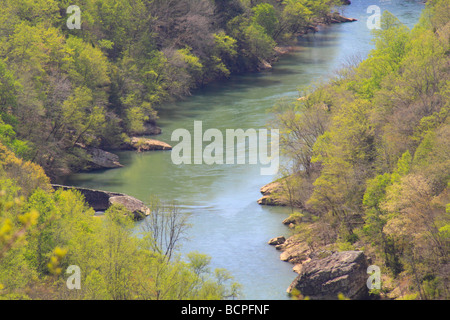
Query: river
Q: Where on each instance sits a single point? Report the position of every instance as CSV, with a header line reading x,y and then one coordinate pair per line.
x,y
227,223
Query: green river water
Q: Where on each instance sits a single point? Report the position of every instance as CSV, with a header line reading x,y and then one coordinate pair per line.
x,y
227,223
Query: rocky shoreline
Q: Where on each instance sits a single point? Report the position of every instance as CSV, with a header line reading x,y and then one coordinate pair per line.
x,y
99,159
323,273
332,18
101,201
320,276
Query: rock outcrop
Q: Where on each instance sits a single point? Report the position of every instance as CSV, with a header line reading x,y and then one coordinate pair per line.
x,y
143,144
295,219
134,205
272,195
277,241
337,18
101,200
264,65
294,251
282,50
101,159
275,194
324,278
96,159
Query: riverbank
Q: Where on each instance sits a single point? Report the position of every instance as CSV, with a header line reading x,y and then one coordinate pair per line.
x,y
105,158
279,51
392,213
327,270
222,199
101,201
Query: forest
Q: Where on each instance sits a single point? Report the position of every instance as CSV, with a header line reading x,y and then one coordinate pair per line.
x,y
368,151
66,90
369,157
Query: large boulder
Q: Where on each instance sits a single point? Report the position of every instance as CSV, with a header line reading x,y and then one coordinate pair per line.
x,y
144,144
277,241
272,195
101,200
141,144
324,278
337,18
135,206
101,159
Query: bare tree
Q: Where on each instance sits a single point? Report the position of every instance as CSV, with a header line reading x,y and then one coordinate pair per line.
x,y
165,227
181,23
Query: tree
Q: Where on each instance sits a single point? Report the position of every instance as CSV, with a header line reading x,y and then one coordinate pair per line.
x,y
264,15
260,45
82,117
8,92
165,228
390,43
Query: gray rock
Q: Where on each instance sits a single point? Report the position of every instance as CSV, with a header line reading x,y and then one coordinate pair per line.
x,y
100,159
101,200
340,272
337,18
277,241
144,144
264,65
134,205
141,144
294,251
272,195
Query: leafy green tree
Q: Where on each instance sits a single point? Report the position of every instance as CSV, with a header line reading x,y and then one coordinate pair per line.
x,y
90,65
264,14
8,91
260,45
390,43
82,116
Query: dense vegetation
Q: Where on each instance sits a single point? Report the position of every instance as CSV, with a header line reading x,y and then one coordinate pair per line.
x,y
368,152
43,232
64,91
369,156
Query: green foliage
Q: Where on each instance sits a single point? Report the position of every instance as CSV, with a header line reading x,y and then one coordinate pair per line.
x,y
8,138
390,43
259,43
376,190
129,57
345,246
114,263
264,14
8,90
380,167
42,232
90,66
